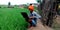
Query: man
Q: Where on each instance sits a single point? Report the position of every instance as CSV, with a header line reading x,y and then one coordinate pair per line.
x,y
31,8
33,15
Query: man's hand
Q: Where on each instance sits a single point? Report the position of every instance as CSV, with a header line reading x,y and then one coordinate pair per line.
x,y
31,17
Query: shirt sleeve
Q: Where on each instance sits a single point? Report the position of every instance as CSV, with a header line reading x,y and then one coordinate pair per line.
x,y
36,15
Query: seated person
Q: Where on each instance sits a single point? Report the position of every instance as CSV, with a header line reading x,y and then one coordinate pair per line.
x,y
34,16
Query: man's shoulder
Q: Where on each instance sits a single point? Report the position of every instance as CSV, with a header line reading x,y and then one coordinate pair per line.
x,y
34,12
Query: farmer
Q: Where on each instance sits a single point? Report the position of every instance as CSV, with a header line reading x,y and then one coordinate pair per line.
x,y
33,15
31,8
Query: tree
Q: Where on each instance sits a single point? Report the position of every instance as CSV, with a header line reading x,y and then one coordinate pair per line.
x,y
9,4
47,7
38,1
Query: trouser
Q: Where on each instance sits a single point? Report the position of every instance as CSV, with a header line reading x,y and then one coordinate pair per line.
x,y
34,22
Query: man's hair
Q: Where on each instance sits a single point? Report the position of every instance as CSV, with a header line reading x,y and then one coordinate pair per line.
x,y
30,4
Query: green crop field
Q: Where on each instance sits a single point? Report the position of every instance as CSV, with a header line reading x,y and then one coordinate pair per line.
x,y
11,19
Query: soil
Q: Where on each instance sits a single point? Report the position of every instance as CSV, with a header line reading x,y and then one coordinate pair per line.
x,y
40,27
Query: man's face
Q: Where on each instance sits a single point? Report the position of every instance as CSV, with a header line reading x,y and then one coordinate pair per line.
x,y
31,11
32,5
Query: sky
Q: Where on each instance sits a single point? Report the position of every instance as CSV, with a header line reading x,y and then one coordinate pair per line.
x,y
16,2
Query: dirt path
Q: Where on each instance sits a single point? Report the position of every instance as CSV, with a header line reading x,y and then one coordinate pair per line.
x,y
58,19
40,27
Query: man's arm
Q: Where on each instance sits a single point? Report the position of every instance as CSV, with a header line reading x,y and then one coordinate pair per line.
x,y
36,15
